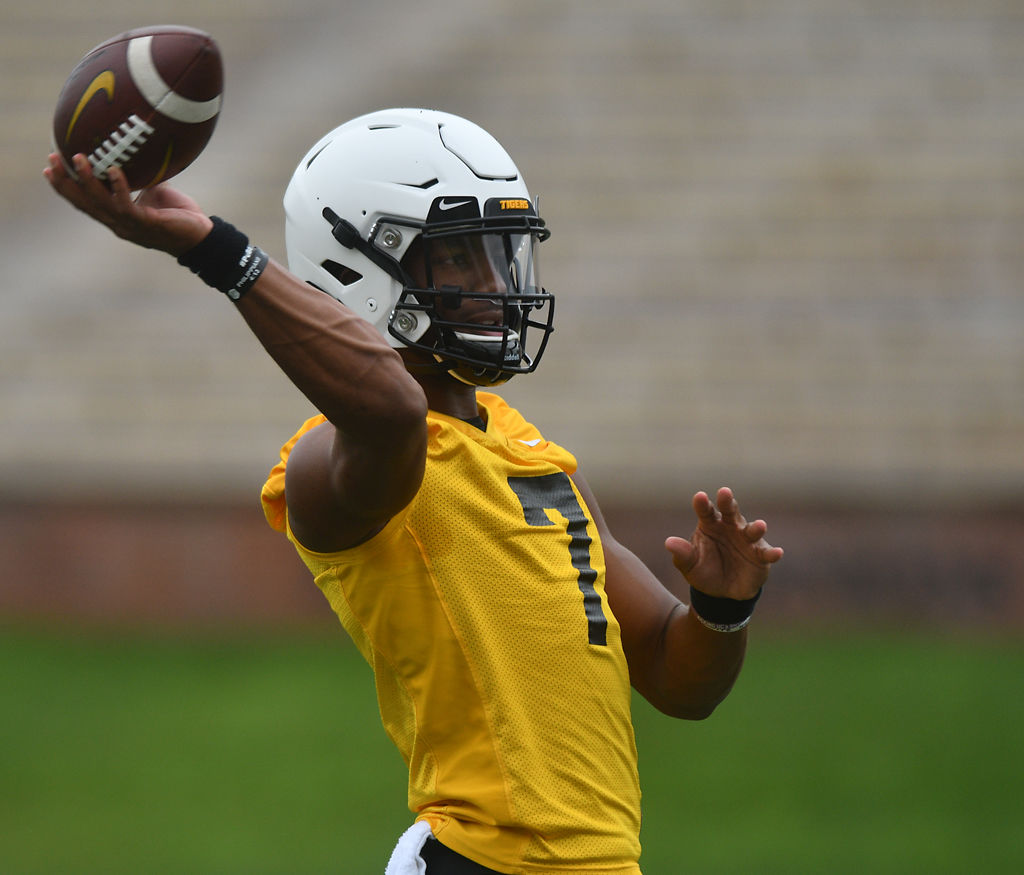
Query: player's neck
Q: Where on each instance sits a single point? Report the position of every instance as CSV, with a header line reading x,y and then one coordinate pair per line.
x,y
447,395
444,393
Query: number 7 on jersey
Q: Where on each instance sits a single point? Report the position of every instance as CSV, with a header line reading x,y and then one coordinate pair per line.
x,y
555,492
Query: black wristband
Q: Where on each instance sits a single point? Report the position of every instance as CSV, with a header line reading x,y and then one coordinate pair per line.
x,y
722,615
226,260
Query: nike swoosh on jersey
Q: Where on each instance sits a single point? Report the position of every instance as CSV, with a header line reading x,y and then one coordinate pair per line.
x,y
102,82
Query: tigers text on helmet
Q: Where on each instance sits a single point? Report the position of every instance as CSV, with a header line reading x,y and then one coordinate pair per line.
x,y
420,222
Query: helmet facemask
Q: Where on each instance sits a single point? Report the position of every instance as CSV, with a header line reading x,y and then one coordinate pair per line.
x,y
475,281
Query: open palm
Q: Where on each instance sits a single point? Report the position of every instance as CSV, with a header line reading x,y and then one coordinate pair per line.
x,y
726,556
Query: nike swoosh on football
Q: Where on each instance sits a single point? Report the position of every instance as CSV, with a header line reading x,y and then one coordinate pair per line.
x,y
103,82
446,206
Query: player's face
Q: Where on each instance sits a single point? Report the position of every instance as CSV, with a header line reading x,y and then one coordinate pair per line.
x,y
456,263
480,295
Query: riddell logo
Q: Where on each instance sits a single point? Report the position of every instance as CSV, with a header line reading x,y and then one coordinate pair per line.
x,y
517,204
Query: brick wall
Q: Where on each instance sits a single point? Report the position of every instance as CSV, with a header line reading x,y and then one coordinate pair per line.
x,y
212,567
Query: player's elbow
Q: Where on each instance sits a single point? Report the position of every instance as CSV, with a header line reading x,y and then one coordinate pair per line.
x,y
687,702
395,412
700,711
688,710
405,417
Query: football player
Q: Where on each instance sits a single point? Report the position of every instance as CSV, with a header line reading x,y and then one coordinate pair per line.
x,y
461,549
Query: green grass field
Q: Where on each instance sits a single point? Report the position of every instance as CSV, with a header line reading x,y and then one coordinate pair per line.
x,y
835,754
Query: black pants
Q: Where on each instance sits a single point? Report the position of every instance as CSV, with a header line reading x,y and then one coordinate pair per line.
x,y
442,860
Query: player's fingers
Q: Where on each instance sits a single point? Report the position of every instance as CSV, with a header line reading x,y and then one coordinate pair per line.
x,y
54,169
88,180
82,167
755,531
62,182
729,507
91,187
58,175
769,554
703,507
119,187
684,556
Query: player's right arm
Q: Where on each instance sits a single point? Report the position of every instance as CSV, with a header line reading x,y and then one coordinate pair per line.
x,y
349,476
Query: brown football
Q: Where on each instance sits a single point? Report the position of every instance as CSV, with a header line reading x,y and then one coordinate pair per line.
x,y
146,101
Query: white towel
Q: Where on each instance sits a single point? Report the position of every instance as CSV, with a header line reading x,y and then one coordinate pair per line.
x,y
405,858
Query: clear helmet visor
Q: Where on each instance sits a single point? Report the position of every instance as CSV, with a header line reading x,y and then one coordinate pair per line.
x,y
489,316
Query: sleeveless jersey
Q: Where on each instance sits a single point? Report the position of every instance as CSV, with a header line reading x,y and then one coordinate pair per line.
x,y
498,665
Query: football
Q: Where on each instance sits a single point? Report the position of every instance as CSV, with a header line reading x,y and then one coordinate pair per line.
x,y
146,101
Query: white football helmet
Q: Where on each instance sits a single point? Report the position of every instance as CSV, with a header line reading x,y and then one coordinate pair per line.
x,y
420,185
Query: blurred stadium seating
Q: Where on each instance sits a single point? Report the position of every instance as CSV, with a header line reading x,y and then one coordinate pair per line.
x,y
787,254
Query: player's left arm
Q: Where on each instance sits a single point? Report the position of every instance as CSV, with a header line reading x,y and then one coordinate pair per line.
x,y
681,666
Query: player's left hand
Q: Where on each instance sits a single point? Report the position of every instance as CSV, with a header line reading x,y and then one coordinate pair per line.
x,y
726,556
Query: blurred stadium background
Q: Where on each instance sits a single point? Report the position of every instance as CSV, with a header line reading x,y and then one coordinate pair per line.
x,y
787,250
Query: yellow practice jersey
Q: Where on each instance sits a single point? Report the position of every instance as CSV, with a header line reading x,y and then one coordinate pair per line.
x,y
499,667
